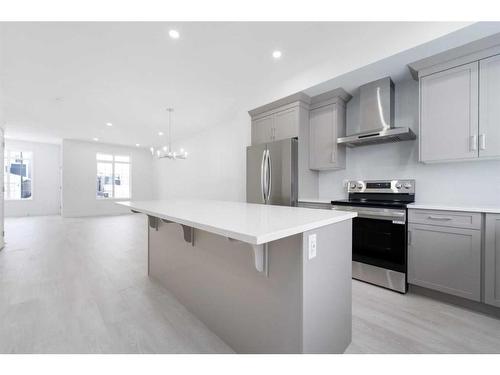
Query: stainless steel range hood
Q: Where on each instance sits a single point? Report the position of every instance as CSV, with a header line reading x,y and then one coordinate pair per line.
x,y
376,116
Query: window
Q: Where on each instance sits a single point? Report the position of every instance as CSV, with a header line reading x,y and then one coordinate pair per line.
x,y
113,176
18,174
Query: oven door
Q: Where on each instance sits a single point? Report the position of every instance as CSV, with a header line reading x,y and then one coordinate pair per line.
x,y
379,237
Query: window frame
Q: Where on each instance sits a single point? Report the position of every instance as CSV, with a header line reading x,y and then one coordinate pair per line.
x,y
6,186
113,162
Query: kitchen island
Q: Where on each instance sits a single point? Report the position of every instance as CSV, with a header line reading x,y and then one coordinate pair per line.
x,y
265,279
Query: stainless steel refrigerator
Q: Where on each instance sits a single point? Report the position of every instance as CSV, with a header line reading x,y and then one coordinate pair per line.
x,y
272,173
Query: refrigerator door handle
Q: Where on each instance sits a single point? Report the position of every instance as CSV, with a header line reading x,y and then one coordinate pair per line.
x,y
263,175
269,176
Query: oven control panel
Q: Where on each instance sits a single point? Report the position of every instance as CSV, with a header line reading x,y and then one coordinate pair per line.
x,y
381,186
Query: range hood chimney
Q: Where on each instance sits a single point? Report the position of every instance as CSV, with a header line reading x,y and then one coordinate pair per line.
x,y
376,116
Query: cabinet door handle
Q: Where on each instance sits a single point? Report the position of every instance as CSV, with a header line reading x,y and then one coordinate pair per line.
x,y
482,141
473,143
443,218
409,238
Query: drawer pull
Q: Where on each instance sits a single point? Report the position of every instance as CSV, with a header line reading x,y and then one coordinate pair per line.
x,y
444,218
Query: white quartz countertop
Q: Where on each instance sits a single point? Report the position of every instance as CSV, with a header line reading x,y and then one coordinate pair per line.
x,y
247,222
493,208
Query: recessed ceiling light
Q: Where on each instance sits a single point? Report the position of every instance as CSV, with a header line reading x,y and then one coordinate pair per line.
x,y
174,34
96,139
277,54
109,124
160,133
137,145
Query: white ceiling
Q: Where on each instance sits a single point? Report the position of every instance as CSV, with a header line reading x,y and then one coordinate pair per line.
x,y
66,80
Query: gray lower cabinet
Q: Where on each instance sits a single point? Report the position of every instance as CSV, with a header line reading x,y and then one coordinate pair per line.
x,y
492,260
446,259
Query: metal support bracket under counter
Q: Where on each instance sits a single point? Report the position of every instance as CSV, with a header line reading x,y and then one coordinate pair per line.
x,y
260,251
187,230
261,256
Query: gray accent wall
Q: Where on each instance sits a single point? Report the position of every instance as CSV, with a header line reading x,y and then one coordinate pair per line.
x,y
455,182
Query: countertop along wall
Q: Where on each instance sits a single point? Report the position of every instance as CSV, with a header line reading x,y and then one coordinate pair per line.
x,y
79,178
473,182
46,198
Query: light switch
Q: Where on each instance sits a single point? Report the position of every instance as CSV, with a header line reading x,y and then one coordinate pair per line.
x,y
312,246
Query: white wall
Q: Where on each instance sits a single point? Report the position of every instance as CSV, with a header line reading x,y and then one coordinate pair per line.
x,y
46,194
215,168
79,178
460,182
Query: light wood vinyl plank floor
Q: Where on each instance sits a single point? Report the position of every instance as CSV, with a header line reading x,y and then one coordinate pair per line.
x,y
389,322
80,286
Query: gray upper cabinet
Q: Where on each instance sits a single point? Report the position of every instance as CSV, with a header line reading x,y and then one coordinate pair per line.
x,y
449,114
459,96
327,122
445,258
262,130
492,260
489,107
279,120
286,124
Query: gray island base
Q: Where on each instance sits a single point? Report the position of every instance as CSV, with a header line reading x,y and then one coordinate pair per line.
x,y
297,304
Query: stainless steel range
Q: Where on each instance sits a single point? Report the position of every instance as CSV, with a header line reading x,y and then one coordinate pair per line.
x,y
379,243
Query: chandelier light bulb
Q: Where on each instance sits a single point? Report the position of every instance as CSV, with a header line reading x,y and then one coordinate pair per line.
x,y
166,151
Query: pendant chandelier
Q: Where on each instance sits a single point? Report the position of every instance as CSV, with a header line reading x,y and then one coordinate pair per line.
x,y
167,151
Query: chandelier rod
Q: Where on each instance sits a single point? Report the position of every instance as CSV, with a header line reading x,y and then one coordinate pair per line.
x,y
170,129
